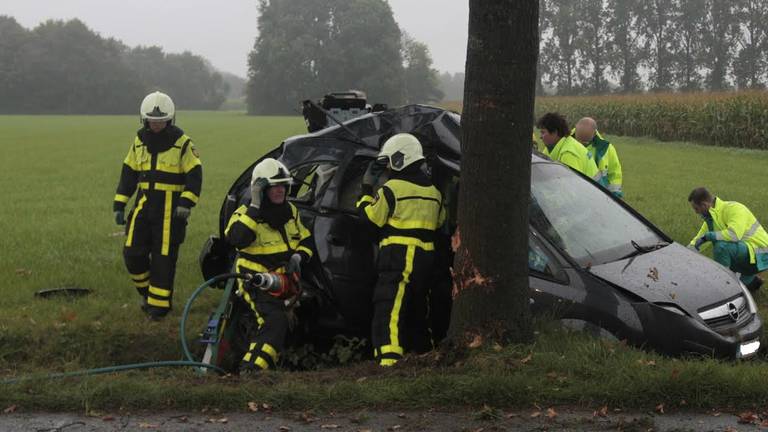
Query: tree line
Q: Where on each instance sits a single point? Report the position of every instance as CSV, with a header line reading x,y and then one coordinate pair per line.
x,y
597,46
63,67
307,48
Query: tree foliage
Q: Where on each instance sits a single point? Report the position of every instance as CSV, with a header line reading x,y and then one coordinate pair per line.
x,y
307,48
64,67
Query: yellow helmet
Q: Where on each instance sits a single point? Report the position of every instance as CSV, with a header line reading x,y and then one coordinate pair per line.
x,y
157,106
401,150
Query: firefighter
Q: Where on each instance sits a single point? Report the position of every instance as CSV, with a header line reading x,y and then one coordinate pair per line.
x,y
603,152
739,241
269,238
163,164
407,210
562,147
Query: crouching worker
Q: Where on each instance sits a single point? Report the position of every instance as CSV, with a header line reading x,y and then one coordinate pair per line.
x,y
739,241
269,238
407,210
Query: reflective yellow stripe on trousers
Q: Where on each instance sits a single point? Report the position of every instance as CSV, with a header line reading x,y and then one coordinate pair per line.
x,y
129,240
394,318
167,223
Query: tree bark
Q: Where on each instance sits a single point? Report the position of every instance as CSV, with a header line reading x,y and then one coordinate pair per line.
x,y
491,293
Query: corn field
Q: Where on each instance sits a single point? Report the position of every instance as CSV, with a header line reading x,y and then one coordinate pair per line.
x,y
728,119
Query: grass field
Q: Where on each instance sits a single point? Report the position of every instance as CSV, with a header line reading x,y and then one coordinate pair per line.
x,y
58,180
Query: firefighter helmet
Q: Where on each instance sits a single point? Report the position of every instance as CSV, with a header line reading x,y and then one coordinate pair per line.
x,y
157,106
273,170
401,150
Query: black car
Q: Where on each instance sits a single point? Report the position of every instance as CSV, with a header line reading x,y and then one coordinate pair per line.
x,y
595,263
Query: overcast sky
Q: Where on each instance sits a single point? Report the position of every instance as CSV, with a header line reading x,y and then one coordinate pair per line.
x,y
225,35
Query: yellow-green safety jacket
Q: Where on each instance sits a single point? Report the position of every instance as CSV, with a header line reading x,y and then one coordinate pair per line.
x,y
570,152
607,161
733,222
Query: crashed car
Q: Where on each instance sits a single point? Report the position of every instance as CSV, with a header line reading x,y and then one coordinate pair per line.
x,y
595,264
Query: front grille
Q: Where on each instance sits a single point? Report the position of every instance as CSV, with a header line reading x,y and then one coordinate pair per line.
x,y
729,315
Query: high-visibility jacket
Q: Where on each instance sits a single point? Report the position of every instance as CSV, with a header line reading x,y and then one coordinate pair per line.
x,y
262,248
733,222
408,213
570,152
607,161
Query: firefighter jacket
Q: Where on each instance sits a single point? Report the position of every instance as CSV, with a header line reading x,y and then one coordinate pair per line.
x,y
733,222
264,247
607,161
570,152
408,209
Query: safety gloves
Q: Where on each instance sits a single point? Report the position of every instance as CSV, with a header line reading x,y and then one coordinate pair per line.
x,y
294,265
374,171
182,212
257,189
120,217
708,236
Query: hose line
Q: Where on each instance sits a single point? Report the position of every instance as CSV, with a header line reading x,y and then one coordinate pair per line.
x,y
188,362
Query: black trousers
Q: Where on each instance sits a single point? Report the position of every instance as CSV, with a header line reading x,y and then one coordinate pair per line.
x,y
152,248
400,303
272,321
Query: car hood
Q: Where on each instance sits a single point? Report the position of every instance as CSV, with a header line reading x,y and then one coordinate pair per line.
x,y
672,274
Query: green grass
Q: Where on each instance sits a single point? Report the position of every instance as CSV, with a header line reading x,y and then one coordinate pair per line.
x,y
58,180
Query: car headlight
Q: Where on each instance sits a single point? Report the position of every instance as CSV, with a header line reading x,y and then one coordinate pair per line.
x,y
748,295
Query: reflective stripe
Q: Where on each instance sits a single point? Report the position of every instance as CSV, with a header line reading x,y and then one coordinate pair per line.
x,y
266,250
141,284
167,224
247,221
412,224
250,265
140,277
614,187
267,348
159,303
122,198
732,233
387,362
752,230
305,249
163,187
162,292
190,196
719,236
247,356
129,239
364,199
260,362
762,250
394,317
407,241
392,349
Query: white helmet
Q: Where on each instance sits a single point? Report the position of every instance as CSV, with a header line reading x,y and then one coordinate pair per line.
x,y
401,150
157,106
273,170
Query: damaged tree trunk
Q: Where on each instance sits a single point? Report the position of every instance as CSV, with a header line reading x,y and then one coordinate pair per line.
x,y
491,265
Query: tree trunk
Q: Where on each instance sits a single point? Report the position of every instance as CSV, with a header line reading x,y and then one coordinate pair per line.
x,y
491,267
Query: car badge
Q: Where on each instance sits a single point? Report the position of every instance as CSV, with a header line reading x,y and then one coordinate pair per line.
x,y
733,312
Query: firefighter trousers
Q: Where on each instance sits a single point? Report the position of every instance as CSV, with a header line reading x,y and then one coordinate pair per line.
x,y
272,330
153,237
400,303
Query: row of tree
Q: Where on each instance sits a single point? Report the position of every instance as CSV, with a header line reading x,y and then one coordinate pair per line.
x,y
64,67
596,46
307,48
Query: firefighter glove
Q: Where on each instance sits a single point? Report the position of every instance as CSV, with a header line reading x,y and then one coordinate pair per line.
x,y
120,217
294,264
257,191
374,171
182,212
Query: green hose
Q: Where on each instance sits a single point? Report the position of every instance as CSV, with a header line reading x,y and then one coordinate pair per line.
x,y
189,362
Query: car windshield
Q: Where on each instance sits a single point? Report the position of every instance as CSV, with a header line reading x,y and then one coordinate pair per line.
x,y
582,220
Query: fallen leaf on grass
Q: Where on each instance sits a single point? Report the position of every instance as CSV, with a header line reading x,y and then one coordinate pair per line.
x,y
659,408
526,359
253,407
477,342
116,234
148,426
764,423
601,412
675,374
535,414
361,379
23,272
329,426
748,417
283,428
512,415
10,409
716,414
108,418
401,415
307,417
551,413
395,427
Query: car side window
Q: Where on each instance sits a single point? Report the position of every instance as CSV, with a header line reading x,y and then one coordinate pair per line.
x,y
541,263
310,181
